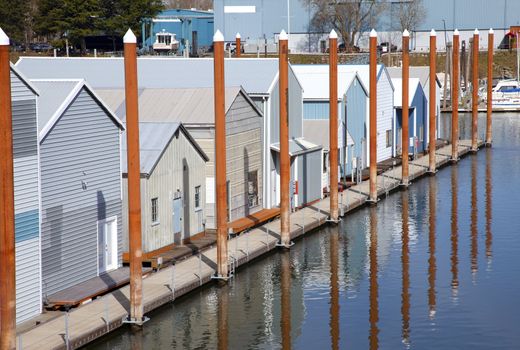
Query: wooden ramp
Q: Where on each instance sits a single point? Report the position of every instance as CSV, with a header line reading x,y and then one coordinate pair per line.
x,y
252,220
79,293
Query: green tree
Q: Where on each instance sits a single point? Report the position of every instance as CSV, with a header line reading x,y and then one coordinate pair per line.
x,y
13,18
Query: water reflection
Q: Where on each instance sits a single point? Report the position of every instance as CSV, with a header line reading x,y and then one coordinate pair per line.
x,y
454,233
334,287
222,316
489,215
474,216
374,288
405,262
285,320
432,263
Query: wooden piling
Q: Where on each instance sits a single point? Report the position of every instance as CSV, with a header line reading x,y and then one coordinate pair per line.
x,y
285,165
333,125
405,134
134,178
220,156
373,116
491,39
474,93
433,102
238,44
7,234
455,99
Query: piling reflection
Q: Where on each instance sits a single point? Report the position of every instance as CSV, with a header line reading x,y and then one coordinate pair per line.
x,y
374,288
405,262
432,263
489,215
136,338
285,321
222,316
454,233
334,287
474,215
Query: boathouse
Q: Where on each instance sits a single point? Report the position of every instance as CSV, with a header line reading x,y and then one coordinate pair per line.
x,y
258,77
173,186
26,189
417,115
80,169
352,111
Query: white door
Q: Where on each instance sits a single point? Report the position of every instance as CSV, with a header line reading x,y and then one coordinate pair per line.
x,y
107,244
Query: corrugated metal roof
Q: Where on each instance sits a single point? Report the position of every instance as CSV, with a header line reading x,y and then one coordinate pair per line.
x,y
298,146
153,140
187,106
317,131
315,81
421,73
256,76
398,92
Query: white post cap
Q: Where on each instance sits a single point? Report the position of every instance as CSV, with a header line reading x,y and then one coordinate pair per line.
x,y
491,31
218,36
456,32
4,39
406,32
238,36
476,31
373,33
433,33
333,34
283,35
129,37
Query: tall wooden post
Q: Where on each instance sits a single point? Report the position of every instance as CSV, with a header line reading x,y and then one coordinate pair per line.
x,y
373,116
474,93
455,99
7,240
405,133
333,124
433,102
491,39
285,164
238,44
220,155
134,179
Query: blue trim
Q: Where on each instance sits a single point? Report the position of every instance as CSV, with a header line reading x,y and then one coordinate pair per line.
x,y
27,225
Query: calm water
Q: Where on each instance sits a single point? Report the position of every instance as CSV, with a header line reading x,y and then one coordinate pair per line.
x,y
434,267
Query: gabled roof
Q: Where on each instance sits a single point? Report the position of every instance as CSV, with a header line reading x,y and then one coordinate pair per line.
x,y
154,139
422,73
256,76
298,146
414,86
23,79
190,106
56,96
317,131
363,70
315,81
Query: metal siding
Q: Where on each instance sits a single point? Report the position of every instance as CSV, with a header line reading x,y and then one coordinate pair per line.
x,y
313,110
356,118
19,89
168,177
385,113
82,146
309,177
295,106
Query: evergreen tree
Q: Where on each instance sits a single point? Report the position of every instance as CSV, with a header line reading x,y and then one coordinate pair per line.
x,y
13,18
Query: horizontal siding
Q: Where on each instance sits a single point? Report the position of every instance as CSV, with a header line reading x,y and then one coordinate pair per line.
x,y
385,112
28,297
19,89
25,129
26,184
82,148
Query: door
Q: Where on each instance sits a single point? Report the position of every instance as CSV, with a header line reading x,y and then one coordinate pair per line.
x,y
107,245
177,219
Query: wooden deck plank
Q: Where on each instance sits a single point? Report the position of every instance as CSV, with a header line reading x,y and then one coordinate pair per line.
x,y
254,219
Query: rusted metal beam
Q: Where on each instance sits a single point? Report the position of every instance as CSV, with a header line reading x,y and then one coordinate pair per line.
x,y
285,164
491,39
220,156
333,125
405,132
238,44
432,133
134,178
455,99
7,235
474,93
373,116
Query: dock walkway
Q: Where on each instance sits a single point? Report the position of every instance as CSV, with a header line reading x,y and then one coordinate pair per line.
x,y
107,313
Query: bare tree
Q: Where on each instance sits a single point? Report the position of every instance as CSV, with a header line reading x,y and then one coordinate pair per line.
x,y
410,14
348,17
187,4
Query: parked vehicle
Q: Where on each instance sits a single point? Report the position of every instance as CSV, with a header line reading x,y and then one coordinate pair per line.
x,y
384,47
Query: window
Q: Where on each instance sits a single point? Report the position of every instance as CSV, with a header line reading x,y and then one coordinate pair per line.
x,y
155,210
252,192
388,138
197,197
421,133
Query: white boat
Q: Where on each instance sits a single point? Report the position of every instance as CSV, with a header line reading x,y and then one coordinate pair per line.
x,y
165,42
506,94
